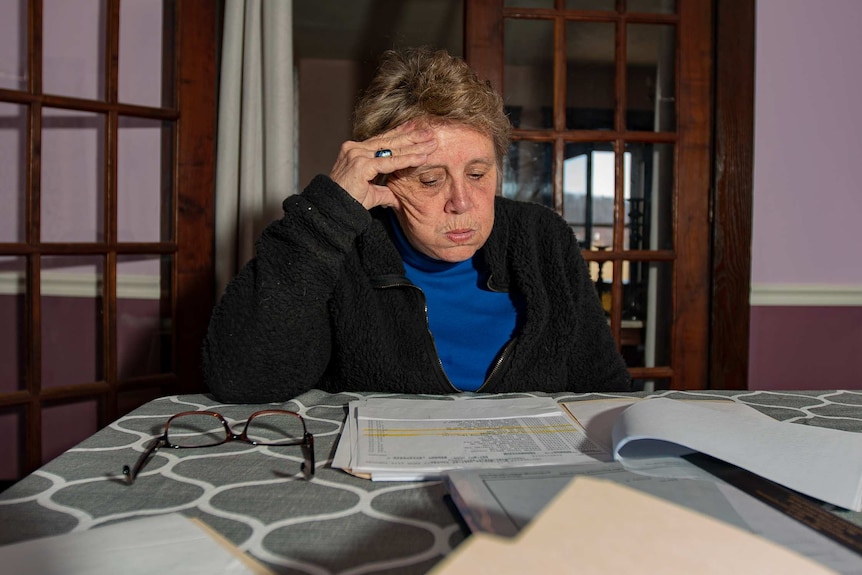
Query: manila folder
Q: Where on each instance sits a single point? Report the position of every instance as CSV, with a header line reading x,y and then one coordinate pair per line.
x,y
595,526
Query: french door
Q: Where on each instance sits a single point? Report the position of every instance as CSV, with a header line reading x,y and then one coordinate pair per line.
x,y
107,121
611,105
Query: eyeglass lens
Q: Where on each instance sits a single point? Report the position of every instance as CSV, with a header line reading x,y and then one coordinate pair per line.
x,y
196,430
275,428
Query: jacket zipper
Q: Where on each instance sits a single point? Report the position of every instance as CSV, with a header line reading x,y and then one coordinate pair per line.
x,y
407,284
441,372
506,349
498,363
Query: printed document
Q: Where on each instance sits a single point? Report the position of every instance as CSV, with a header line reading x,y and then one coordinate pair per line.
x,y
398,439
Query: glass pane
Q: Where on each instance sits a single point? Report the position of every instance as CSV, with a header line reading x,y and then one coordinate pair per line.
x,y
11,441
650,78
528,171
66,425
605,5
143,315
13,44
590,76
13,172
144,180
652,6
143,45
588,192
13,323
72,309
602,274
648,192
73,157
646,313
73,43
529,73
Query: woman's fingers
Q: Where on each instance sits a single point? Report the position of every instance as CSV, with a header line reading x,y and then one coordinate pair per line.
x,y
360,167
405,139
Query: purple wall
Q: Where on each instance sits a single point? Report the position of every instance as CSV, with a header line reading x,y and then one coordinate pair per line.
x,y
803,347
808,142
807,196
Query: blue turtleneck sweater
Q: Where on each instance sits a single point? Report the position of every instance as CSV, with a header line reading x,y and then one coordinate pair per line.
x,y
470,324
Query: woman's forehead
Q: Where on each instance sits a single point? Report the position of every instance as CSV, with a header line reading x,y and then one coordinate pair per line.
x,y
453,133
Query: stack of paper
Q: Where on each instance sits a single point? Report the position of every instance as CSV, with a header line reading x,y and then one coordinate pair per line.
x,y
414,439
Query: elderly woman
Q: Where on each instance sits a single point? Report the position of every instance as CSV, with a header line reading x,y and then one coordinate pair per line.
x,y
403,271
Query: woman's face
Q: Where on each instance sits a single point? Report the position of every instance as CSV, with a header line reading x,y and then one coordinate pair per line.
x,y
446,205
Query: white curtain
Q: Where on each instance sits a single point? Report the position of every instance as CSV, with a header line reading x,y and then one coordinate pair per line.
x,y
255,165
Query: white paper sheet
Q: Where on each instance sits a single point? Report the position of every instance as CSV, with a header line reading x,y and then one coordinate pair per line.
x,y
822,463
165,544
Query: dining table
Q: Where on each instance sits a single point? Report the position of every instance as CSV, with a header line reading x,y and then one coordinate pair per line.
x,y
258,498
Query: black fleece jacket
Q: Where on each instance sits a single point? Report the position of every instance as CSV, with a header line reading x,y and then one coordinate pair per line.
x,y
325,304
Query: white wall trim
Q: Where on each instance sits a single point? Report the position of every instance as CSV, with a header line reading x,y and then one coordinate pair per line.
x,y
805,295
138,286
77,284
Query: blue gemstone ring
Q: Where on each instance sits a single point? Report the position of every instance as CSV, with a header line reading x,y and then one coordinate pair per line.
x,y
383,154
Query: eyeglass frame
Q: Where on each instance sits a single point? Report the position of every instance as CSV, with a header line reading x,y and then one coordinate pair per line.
x,y
306,442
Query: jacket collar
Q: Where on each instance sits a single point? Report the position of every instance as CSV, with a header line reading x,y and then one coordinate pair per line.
x,y
380,257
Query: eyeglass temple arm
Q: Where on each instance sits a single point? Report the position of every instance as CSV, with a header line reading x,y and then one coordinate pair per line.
x,y
308,452
130,475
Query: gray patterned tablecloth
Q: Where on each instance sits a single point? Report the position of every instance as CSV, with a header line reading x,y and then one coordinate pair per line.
x,y
254,496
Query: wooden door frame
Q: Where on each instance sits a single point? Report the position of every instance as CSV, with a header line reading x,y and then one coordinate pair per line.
x,y
732,193
731,174
197,72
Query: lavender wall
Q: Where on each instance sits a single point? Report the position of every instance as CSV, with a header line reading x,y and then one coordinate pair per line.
x,y
808,142
806,319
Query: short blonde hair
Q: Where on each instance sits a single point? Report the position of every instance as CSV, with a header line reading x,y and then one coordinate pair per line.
x,y
432,85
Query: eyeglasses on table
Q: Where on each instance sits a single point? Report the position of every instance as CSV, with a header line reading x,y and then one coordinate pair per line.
x,y
192,429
